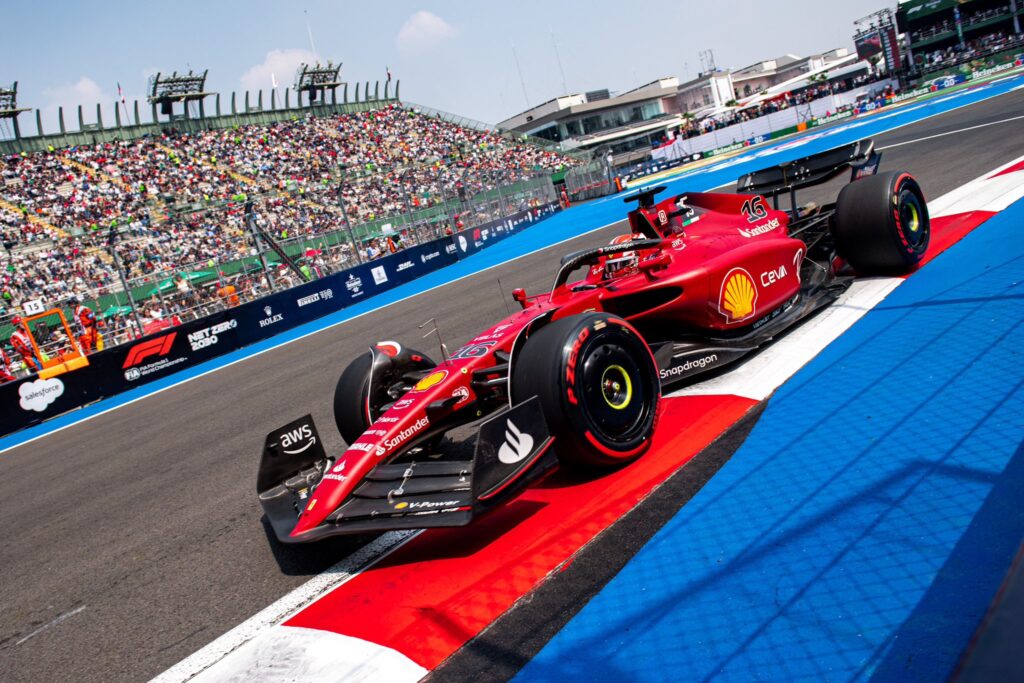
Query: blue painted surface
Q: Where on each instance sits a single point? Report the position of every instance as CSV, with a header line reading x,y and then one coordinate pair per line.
x,y
561,227
864,526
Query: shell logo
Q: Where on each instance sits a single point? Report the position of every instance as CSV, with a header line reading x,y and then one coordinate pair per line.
x,y
401,506
738,299
431,380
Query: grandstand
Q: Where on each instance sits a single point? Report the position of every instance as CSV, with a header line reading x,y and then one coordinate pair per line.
x,y
945,34
147,222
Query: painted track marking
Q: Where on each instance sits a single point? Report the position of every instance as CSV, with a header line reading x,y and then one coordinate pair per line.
x,y
50,624
952,132
251,628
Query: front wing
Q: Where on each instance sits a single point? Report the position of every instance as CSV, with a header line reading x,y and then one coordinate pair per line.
x,y
511,449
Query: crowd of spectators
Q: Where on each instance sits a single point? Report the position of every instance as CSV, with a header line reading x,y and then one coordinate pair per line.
x,y
783,101
991,43
967,20
176,200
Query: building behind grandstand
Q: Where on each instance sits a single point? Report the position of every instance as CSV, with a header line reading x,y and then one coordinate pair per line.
x,y
631,123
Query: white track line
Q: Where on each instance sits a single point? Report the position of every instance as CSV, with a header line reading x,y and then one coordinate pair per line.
x,y
952,132
287,654
51,624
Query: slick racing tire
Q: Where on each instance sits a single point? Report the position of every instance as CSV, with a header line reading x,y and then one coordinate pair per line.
x,y
356,403
598,388
881,224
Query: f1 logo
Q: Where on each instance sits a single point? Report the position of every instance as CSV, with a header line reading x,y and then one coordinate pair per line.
x,y
160,346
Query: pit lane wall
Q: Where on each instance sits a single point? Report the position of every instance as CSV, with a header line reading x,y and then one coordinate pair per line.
x,y
31,401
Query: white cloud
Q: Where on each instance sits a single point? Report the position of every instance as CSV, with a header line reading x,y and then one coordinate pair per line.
x,y
422,31
281,63
85,92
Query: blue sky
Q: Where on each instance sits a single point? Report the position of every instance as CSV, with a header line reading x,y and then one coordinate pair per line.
x,y
453,56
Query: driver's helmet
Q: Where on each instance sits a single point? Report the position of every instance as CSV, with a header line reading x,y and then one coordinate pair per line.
x,y
623,263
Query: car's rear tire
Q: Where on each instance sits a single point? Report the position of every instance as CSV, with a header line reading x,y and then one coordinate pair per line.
x,y
356,403
881,224
598,387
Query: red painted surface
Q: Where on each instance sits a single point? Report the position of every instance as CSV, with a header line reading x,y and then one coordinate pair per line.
x,y
948,230
1019,166
446,585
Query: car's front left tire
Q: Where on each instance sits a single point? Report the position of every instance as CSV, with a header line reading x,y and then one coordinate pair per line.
x,y
598,387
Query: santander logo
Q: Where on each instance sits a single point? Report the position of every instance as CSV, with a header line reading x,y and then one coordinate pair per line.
x,y
516,446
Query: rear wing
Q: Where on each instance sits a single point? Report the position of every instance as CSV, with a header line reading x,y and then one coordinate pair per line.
x,y
788,177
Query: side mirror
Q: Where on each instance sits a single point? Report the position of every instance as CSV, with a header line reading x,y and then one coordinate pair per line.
x,y
519,295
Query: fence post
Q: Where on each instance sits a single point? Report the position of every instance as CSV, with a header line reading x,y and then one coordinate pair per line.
x,y
124,285
348,224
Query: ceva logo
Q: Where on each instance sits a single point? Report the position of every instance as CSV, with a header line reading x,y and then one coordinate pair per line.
x,y
160,346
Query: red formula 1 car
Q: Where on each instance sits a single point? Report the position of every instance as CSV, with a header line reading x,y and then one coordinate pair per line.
x,y
702,280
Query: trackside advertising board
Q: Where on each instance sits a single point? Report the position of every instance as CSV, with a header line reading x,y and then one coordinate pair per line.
x,y
31,400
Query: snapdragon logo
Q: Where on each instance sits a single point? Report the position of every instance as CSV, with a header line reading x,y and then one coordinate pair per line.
x,y
689,365
38,395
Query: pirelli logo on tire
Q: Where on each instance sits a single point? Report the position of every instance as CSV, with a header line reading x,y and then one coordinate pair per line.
x,y
570,366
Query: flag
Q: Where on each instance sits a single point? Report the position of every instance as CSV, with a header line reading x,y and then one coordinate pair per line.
x,y
273,81
120,94
388,69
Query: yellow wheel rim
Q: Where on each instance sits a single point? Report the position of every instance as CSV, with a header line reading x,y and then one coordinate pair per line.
x,y
616,387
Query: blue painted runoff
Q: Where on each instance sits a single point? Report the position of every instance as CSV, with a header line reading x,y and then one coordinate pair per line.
x,y
864,526
564,226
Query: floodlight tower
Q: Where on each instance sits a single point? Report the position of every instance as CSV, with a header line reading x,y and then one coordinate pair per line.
x,y
166,90
316,81
9,106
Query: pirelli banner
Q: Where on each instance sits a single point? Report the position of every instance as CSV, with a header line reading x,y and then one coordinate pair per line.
x,y
160,356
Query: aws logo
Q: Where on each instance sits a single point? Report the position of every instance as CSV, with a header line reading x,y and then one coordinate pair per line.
x,y
738,298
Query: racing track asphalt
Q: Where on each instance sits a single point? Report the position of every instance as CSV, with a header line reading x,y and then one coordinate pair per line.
x,y
131,540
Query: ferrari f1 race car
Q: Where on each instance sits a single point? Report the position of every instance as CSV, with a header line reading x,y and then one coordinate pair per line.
x,y
577,374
